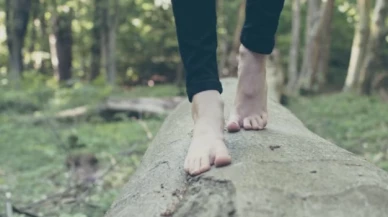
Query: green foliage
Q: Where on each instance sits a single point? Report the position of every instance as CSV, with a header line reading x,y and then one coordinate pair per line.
x,y
358,124
32,156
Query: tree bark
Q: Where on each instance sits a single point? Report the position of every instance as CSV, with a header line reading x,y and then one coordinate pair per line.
x,y
313,16
359,46
61,45
325,43
110,19
318,22
232,59
223,42
275,75
294,49
95,64
373,55
17,16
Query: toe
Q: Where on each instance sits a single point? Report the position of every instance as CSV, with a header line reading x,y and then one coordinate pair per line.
x,y
262,121
187,165
205,165
255,124
222,157
247,124
222,160
233,125
197,167
192,168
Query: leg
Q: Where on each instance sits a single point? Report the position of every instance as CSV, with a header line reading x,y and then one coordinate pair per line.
x,y
257,40
196,31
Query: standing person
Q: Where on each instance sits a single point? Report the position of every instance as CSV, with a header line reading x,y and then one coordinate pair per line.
x,y
196,22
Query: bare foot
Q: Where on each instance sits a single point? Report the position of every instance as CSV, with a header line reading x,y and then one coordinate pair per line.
x,y
207,146
250,106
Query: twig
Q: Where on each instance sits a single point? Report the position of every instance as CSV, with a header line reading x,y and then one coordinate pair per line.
x,y
51,197
145,128
113,163
23,212
8,196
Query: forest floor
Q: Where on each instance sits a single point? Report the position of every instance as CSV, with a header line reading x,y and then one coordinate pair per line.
x,y
33,155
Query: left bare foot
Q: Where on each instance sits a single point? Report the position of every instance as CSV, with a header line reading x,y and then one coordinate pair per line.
x,y
207,147
250,106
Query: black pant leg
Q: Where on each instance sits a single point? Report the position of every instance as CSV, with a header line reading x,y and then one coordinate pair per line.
x,y
196,22
261,23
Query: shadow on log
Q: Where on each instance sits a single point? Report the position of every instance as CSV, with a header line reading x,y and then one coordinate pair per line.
x,y
285,170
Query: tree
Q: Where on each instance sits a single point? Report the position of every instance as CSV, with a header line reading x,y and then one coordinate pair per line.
x,y
318,24
109,27
61,41
232,58
96,40
325,42
379,32
294,48
312,20
359,46
17,16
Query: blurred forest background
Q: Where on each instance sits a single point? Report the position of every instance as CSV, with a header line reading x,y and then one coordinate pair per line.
x,y
86,84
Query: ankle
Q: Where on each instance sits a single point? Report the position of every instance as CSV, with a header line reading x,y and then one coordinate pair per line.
x,y
245,52
207,104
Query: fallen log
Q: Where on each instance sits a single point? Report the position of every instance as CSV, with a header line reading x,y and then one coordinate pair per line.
x,y
285,170
133,107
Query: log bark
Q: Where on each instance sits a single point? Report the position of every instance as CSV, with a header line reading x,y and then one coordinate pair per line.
x,y
285,170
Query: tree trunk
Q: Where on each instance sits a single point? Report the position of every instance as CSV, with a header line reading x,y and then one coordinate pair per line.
x,y
232,59
275,75
325,43
61,45
294,49
223,42
109,20
95,64
17,15
318,22
373,54
359,46
313,16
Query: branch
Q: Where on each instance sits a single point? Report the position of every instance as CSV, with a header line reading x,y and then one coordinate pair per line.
x,y
23,212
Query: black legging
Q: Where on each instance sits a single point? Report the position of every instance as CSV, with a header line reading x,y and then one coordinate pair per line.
x,y
196,22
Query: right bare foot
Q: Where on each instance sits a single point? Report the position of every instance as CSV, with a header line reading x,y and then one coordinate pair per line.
x,y
207,146
250,105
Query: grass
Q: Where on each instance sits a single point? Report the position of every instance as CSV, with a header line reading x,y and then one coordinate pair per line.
x,y
32,156
356,123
